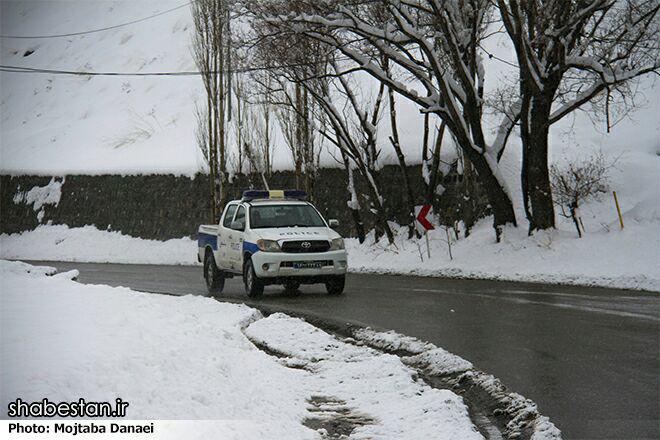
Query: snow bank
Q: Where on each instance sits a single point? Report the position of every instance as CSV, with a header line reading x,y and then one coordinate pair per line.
x,y
425,355
88,244
189,358
523,415
377,386
169,357
627,259
606,256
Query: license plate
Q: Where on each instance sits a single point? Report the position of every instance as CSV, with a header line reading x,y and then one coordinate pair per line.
x,y
307,265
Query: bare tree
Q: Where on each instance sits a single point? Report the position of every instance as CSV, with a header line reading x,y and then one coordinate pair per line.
x,y
401,158
576,182
435,43
210,49
431,173
253,134
570,54
294,116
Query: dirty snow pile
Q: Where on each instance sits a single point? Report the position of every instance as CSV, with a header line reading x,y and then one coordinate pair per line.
x,y
197,358
433,360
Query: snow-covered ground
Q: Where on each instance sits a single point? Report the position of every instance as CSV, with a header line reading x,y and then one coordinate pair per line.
x,y
88,244
196,358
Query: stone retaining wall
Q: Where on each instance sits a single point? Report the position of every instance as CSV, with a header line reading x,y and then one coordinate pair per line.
x,y
168,206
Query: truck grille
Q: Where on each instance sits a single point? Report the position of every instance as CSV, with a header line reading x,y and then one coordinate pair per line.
x,y
323,263
305,246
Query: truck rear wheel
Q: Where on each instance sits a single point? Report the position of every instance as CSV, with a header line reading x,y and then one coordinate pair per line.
x,y
335,285
254,287
215,280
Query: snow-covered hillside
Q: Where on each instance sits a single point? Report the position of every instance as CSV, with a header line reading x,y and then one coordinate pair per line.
x,y
57,124
78,124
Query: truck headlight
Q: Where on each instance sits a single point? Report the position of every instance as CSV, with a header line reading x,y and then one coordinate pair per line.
x,y
268,246
337,244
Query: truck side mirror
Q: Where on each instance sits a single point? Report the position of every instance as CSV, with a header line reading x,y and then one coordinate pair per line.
x,y
334,223
238,225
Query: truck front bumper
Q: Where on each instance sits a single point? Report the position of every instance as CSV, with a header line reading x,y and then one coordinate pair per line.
x,y
290,265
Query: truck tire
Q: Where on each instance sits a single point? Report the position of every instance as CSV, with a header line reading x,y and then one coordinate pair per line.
x,y
335,285
254,287
215,280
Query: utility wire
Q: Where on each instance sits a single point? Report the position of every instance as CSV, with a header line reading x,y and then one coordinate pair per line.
x,y
73,34
18,69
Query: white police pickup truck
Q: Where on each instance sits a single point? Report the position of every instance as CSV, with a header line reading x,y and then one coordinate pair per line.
x,y
272,237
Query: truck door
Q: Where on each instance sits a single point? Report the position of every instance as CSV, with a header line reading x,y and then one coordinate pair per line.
x,y
236,233
224,231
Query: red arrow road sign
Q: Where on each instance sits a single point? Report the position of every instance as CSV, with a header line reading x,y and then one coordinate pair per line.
x,y
421,217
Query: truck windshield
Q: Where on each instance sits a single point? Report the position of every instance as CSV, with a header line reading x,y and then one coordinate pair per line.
x,y
284,216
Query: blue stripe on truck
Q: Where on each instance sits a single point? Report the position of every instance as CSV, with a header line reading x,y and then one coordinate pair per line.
x,y
204,240
252,248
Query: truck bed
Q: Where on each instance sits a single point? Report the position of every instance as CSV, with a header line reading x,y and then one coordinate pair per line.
x,y
207,235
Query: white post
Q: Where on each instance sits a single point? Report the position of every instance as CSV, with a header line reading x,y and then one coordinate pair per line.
x,y
428,248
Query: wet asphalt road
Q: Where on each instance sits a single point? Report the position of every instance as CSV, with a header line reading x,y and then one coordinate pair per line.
x,y
588,357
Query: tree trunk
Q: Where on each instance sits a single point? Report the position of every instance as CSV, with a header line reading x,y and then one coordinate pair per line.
x,y
434,172
535,175
499,200
354,204
394,139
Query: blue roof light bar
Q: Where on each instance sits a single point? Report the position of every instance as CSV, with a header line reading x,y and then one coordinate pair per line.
x,y
294,194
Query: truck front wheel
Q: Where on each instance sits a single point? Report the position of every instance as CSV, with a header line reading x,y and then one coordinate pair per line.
x,y
215,280
254,287
335,285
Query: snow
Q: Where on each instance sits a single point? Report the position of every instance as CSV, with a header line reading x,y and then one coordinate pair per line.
x,y
437,361
192,358
39,196
392,341
58,124
518,407
88,244
610,258
606,255
432,359
377,385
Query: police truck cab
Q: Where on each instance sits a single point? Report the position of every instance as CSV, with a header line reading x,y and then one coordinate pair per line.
x,y
272,237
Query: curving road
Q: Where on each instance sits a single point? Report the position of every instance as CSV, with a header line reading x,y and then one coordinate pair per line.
x,y
589,357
